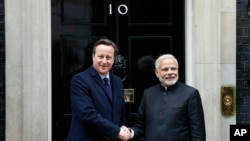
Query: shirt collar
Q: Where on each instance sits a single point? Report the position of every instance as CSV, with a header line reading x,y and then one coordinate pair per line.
x,y
104,76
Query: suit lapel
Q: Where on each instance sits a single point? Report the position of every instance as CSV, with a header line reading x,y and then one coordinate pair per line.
x,y
99,82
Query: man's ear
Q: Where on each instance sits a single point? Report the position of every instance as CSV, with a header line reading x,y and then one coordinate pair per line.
x,y
156,72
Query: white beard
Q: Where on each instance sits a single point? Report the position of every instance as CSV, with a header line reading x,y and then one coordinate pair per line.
x,y
168,83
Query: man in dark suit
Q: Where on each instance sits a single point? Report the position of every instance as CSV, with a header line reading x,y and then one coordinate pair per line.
x,y
98,114
171,110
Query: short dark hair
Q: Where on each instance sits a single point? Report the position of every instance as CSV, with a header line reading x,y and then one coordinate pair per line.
x,y
106,42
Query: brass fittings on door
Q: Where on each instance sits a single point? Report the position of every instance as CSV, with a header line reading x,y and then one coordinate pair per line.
x,y
227,100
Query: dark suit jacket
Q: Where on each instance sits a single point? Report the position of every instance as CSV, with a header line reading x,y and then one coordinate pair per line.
x,y
175,114
94,116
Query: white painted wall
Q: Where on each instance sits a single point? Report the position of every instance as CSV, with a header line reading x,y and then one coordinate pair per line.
x,y
211,58
28,70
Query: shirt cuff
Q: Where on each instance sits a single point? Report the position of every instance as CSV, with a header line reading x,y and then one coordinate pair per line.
x,y
132,133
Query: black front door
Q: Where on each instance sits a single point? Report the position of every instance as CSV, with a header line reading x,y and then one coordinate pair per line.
x,y
143,29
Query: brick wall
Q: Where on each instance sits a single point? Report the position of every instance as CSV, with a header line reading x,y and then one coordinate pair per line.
x,y
243,63
2,72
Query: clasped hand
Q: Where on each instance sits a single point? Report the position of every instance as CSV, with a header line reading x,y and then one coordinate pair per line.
x,y
124,134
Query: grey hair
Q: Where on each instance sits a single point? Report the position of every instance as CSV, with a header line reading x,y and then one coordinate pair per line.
x,y
165,56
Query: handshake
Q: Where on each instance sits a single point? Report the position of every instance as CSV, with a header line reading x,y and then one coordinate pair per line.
x,y
125,133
